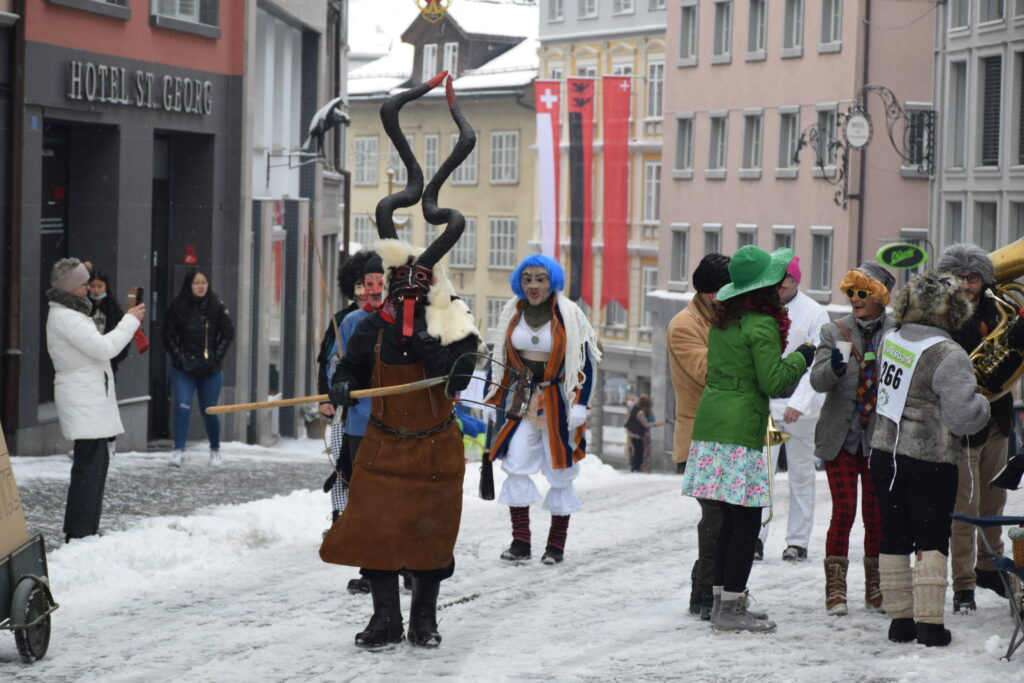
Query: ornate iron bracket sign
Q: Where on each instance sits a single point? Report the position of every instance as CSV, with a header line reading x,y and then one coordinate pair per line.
x,y
433,10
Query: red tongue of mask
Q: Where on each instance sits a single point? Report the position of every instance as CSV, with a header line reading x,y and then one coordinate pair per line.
x,y
408,311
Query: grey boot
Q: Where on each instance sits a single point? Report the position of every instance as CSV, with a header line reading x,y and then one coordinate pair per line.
x,y
716,602
733,616
757,614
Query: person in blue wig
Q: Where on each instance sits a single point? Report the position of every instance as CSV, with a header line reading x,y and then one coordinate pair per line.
x,y
549,334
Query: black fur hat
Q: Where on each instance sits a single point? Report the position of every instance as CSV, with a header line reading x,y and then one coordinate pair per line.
x,y
711,274
934,298
351,272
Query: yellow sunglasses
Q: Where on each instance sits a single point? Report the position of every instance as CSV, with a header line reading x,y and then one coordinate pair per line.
x,y
860,293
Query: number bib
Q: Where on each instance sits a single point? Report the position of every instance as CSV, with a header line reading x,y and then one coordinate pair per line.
x,y
899,359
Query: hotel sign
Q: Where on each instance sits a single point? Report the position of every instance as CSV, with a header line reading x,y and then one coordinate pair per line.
x,y
90,82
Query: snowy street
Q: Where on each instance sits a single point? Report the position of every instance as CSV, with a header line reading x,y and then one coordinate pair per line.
x,y
237,592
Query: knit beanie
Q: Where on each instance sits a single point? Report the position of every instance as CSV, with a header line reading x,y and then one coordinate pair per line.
x,y
966,258
68,274
712,274
793,270
876,271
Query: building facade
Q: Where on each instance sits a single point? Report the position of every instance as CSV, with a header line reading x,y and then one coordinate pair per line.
x,y
746,83
592,39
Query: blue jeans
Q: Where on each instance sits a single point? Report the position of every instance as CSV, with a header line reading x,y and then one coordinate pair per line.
x,y
208,388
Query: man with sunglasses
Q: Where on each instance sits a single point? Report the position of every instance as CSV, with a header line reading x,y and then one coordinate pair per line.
x,y
984,454
797,414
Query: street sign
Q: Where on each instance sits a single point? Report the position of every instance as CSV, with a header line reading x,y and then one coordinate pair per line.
x,y
902,255
858,130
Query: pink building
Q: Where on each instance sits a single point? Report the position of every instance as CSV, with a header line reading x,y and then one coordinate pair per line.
x,y
744,80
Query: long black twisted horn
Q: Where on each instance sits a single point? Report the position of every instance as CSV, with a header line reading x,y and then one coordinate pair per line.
x,y
456,223
410,194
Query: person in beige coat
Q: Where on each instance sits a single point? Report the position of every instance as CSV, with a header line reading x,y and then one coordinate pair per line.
x,y
688,363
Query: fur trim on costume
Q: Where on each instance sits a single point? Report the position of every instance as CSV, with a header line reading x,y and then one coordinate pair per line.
x,y
448,317
75,303
936,299
963,257
856,279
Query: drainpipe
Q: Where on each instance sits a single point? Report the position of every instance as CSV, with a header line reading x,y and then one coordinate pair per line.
x,y
862,171
10,370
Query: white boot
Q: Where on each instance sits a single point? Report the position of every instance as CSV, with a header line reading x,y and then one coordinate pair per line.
x,y
215,457
177,458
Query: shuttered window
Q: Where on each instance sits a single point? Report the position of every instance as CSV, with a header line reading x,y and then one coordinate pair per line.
x,y
991,73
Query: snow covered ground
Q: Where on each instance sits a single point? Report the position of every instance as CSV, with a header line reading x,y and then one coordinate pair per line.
x,y
238,593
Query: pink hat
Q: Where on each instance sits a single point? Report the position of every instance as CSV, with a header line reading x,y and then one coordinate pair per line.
x,y
793,270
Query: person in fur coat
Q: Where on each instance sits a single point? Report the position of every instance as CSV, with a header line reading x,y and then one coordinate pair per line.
x,y
84,388
549,334
927,400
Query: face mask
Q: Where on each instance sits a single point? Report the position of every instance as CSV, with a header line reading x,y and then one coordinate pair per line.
x,y
101,297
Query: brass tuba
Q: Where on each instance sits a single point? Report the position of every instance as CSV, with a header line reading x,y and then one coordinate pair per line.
x,y
994,360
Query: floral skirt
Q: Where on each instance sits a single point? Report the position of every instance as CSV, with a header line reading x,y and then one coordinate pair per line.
x,y
732,474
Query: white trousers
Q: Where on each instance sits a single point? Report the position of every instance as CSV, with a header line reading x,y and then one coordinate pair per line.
x,y
529,453
800,463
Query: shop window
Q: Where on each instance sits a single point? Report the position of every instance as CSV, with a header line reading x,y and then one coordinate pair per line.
x,y
201,17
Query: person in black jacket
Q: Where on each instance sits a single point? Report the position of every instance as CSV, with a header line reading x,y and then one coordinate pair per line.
x,y
197,334
106,312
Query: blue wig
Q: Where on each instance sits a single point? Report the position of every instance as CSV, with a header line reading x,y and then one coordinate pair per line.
x,y
555,273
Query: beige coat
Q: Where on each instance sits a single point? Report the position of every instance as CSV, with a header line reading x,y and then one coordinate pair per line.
x,y
688,362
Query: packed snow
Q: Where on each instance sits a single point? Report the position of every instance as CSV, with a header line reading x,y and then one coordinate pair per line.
x,y
238,593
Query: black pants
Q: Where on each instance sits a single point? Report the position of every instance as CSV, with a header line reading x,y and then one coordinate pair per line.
x,y
428,574
85,494
638,455
915,512
734,548
708,529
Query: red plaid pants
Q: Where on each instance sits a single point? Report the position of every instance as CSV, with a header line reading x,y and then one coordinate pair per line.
x,y
843,473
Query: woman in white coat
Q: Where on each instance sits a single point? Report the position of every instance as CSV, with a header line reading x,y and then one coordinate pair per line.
x,y
84,388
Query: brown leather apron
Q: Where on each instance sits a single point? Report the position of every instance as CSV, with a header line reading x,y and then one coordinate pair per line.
x,y
405,504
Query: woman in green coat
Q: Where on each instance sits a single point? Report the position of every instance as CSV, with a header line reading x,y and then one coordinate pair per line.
x,y
726,462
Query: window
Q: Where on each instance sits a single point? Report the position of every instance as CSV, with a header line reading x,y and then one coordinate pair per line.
x,y
587,71
657,4
431,155
793,28
470,300
959,13
194,16
403,226
985,214
429,62
465,173
1020,102
652,191
684,144
756,29
556,73
752,141
679,256
722,46
622,6
954,222
110,8
494,306
655,88
712,239
401,176
821,261
504,157
991,75
782,237
1016,220
451,59
588,9
622,69
363,230
615,315
429,234
719,141
831,22
746,235
825,150
1019,12
917,136
463,254
366,161
688,35
990,10
556,10
502,244
957,132
789,138
649,282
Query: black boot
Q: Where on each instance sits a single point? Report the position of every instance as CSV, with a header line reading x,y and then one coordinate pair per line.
x,y
963,601
902,630
1009,477
989,578
933,635
695,588
385,627
358,586
423,613
707,601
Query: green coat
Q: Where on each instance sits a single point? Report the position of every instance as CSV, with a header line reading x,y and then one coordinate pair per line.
x,y
745,368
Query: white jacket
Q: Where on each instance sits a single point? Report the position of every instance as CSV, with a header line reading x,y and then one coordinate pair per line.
x,y
84,384
806,318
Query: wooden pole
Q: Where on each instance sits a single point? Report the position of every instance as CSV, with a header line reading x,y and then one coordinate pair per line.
x,y
320,398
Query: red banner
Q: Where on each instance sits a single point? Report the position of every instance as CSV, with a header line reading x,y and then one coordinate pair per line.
x,y
547,103
615,97
581,150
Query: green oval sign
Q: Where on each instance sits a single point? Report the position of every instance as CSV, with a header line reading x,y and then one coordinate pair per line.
x,y
902,255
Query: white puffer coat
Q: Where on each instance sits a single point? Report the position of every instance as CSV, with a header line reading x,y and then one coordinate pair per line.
x,y
84,384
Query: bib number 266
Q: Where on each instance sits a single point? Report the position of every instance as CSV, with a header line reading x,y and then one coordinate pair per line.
x,y
891,375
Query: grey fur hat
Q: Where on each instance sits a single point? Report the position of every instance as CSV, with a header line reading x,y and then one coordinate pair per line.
x,y
68,274
934,298
964,257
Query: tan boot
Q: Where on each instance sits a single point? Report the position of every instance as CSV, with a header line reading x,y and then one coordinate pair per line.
x,y
872,585
896,582
930,572
835,585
